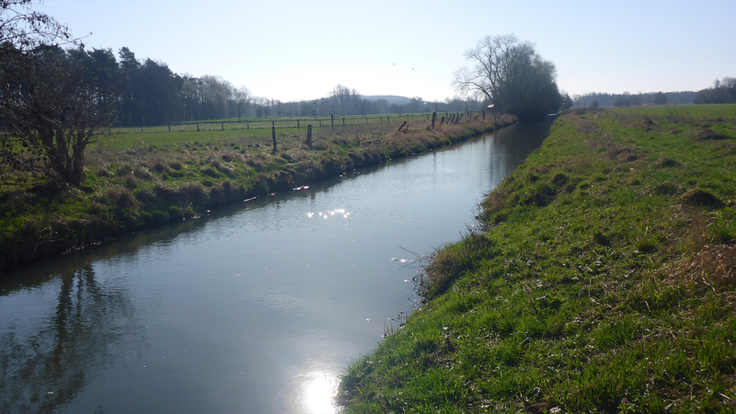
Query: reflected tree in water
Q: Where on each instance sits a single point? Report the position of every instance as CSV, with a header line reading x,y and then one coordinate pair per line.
x,y
47,368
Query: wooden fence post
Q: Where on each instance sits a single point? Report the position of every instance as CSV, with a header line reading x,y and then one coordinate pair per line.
x,y
332,120
273,134
222,126
343,121
297,125
434,117
197,126
309,136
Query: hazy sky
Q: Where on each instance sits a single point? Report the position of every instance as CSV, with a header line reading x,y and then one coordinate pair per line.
x,y
293,50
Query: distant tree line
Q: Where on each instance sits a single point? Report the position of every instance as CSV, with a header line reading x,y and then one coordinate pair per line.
x,y
345,101
56,96
629,99
723,91
147,92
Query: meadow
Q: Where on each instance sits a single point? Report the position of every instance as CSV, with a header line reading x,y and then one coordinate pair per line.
x,y
600,279
123,137
139,178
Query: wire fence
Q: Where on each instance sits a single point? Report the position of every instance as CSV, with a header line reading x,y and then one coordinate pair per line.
x,y
280,123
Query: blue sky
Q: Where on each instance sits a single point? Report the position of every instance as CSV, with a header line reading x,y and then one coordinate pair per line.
x,y
294,49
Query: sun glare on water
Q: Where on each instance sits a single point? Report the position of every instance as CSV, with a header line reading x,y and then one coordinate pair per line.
x,y
338,212
318,391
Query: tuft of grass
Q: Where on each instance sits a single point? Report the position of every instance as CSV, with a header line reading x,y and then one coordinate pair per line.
x,y
452,261
706,133
702,198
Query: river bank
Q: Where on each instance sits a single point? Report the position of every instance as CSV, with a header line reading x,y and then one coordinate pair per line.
x,y
259,305
603,281
129,188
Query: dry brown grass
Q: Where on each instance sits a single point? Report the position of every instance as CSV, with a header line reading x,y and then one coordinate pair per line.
x,y
715,265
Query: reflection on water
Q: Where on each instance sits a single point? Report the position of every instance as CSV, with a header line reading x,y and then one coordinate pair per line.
x,y
338,212
50,354
318,389
254,308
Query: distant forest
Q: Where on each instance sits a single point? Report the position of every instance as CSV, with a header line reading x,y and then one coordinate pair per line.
x,y
628,99
148,93
722,91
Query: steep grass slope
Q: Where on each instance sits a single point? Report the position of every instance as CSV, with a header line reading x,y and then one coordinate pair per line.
x,y
602,282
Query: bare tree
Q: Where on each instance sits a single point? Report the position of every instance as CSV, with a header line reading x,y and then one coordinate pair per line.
x,y
490,59
344,100
215,92
26,29
511,75
47,98
416,104
242,97
50,104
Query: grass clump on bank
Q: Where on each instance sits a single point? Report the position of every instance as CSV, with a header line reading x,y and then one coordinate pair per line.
x,y
138,180
604,281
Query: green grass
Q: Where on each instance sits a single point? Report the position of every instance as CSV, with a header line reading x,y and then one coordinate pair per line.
x,y
215,130
602,282
136,179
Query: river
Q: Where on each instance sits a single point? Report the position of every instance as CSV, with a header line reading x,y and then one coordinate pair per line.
x,y
256,308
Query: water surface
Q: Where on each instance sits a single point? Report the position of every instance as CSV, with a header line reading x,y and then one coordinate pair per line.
x,y
255,308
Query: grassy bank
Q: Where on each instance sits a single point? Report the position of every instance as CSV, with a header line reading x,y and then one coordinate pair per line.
x,y
136,180
602,282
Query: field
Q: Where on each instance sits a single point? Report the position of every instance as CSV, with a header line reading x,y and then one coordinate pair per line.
x,y
137,179
216,130
601,280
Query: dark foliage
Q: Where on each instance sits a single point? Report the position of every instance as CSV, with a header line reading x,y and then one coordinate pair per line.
x,y
511,75
723,91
